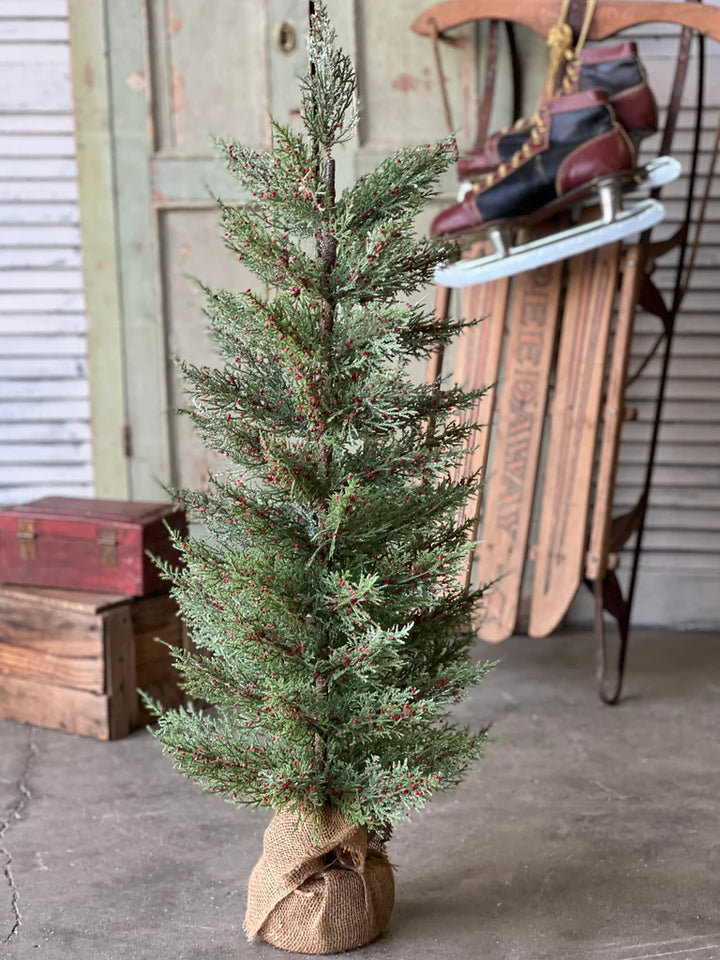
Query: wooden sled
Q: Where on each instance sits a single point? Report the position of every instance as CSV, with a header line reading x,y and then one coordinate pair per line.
x,y
556,342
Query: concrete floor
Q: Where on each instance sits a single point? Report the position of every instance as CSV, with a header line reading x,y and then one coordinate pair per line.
x,y
587,832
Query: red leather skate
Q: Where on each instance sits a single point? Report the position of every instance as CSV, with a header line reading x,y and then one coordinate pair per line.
x,y
574,143
614,70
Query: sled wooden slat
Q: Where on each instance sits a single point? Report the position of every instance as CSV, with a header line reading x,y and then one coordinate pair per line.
x,y
562,539
521,403
632,274
477,365
442,310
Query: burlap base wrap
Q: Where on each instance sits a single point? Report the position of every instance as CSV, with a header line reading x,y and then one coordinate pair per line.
x,y
301,899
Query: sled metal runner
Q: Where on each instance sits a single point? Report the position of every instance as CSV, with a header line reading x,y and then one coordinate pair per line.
x,y
614,224
562,523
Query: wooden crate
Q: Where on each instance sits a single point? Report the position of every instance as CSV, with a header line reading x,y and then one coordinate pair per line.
x,y
73,661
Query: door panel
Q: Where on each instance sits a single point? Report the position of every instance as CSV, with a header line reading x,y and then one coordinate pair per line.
x,y
398,84
180,71
209,74
192,247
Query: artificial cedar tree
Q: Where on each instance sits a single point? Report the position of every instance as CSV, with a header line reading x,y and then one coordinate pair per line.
x,y
332,629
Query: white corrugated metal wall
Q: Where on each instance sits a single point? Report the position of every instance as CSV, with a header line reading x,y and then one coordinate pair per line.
x,y
680,564
681,550
45,437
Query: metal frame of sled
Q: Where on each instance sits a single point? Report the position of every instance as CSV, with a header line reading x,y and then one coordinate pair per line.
x,y
563,331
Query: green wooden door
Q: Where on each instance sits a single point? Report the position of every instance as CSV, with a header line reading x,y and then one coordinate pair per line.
x,y
177,71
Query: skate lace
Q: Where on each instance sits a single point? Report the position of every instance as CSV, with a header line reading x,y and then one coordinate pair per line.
x,y
564,55
560,41
570,82
518,125
532,146
571,78
564,59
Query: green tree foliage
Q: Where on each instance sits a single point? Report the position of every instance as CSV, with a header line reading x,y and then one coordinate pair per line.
x,y
325,603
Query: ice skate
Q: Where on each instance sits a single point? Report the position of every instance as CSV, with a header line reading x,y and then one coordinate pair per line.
x,y
619,220
616,71
576,151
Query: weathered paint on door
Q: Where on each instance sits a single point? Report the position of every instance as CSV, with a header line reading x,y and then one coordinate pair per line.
x,y
177,73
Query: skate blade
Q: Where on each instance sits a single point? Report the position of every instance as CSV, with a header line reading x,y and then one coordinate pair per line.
x,y
658,172
559,246
654,174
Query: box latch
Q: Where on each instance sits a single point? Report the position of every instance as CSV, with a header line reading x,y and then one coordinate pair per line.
x,y
26,538
107,540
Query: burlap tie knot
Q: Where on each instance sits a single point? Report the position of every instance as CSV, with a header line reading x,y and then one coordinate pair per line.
x,y
321,885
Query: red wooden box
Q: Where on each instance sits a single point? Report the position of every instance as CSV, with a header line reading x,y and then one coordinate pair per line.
x,y
87,544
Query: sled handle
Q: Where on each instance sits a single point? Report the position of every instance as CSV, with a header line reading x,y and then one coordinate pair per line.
x,y
540,15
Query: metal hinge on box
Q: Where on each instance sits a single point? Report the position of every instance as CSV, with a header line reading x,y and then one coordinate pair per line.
x,y
107,539
26,539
